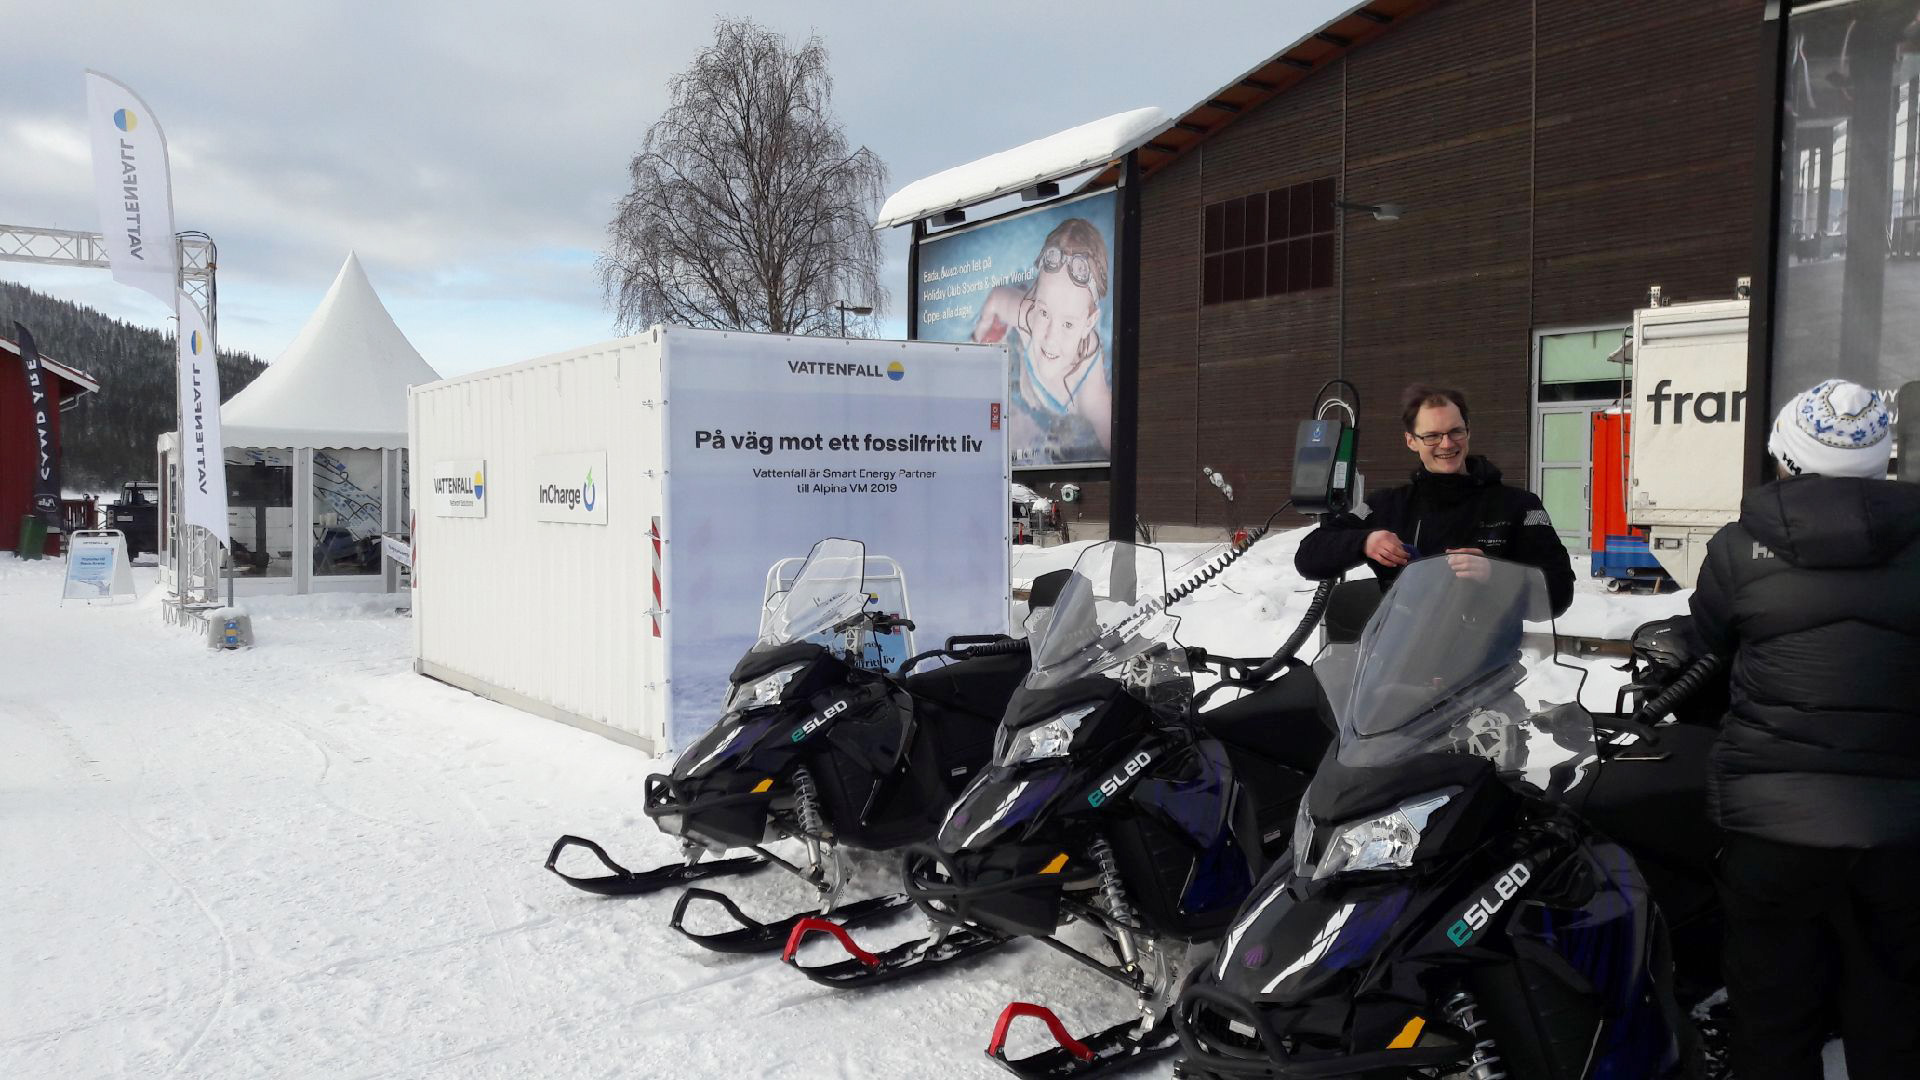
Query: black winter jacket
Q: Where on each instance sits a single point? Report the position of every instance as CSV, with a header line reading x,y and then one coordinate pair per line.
x,y
1815,594
1437,511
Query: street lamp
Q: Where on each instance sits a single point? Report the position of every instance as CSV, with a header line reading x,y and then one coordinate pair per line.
x,y
1385,211
843,308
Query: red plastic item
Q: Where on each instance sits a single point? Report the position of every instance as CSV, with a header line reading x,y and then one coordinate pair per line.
x,y
1612,440
814,924
1020,1008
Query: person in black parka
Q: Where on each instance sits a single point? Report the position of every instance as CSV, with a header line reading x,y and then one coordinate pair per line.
x,y
1454,503
1814,595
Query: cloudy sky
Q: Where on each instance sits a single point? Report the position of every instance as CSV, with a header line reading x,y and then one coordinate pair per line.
x,y
472,152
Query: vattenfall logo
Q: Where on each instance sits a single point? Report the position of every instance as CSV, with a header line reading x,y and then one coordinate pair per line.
x,y
193,343
460,485
584,496
125,120
895,371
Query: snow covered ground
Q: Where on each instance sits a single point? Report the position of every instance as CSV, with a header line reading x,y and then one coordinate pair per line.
x,y
302,860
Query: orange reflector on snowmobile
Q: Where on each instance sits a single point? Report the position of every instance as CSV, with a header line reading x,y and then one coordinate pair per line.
x,y
1059,861
761,787
1408,1035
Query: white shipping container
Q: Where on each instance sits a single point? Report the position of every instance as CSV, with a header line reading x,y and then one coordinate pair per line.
x,y
544,616
535,556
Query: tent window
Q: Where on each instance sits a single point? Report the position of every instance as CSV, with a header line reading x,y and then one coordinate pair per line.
x,y
346,512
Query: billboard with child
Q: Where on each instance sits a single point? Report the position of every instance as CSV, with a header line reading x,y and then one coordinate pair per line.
x,y
1041,281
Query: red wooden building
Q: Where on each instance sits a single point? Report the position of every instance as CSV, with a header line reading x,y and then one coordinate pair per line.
x,y
18,448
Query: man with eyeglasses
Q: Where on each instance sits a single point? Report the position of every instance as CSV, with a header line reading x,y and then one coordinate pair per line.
x,y
1455,504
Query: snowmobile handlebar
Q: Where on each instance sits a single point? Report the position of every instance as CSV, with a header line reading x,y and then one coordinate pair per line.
x,y
968,647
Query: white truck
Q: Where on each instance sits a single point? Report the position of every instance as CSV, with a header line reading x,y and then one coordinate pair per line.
x,y
1689,369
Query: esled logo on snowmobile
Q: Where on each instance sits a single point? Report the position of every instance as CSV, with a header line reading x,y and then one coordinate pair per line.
x,y
815,723
1111,785
1475,918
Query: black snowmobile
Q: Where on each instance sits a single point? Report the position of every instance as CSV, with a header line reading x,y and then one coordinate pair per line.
x,y
1477,885
817,747
1110,800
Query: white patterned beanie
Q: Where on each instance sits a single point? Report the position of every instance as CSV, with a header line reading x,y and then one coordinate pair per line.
x,y
1837,428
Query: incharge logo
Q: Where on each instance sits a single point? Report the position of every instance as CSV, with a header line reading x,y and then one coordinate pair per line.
x,y
571,497
125,120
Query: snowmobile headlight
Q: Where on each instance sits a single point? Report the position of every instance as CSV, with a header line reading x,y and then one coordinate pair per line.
x,y
1386,842
1049,739
765,690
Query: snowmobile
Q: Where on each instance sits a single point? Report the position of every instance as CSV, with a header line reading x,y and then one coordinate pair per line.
x,y
816,747
1110,800
1478,885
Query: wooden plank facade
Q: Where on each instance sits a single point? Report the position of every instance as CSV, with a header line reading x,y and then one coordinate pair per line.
x,y
1554,158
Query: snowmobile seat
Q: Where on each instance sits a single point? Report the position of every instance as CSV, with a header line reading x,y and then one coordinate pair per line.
x,y
1287,721
1349,606
978,687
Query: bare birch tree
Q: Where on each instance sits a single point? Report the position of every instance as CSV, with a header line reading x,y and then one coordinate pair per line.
x,y
748,210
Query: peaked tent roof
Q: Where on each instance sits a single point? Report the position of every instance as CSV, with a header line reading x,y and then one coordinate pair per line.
x,y
342,383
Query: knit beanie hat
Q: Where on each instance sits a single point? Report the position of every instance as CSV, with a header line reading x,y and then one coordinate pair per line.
x,y
1837,428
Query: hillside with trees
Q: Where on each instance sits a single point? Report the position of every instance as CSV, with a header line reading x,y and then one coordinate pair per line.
x,y
108,438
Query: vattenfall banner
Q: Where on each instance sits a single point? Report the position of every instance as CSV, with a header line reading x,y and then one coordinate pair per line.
x,y
203,456
46,450
1041,281
132,188
777,444
571,488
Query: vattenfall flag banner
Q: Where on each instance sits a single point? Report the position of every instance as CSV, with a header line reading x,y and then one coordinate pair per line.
x,y
203,456
46,452
132,187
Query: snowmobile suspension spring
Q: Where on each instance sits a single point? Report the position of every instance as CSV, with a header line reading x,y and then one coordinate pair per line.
x,y
1463,1011
1116,897
806,804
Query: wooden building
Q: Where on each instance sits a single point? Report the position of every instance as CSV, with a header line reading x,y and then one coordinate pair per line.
x,y
19,451
1550,160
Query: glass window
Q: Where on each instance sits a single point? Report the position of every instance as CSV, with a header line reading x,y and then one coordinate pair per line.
x,y
1580,356
1847,280
346,512
260,511
1269,243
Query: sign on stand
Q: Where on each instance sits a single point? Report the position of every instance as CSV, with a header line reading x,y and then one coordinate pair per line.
x,y
97,566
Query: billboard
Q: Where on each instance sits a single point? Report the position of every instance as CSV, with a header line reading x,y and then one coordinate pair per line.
x,y
776,443
1042,282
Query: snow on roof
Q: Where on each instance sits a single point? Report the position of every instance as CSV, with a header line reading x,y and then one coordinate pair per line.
x,y
87,383
1064,153
342,383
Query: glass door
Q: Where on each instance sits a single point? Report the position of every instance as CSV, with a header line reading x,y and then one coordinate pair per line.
x,y
1562,469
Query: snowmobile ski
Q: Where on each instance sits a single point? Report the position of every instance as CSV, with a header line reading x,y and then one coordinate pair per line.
x,y
754,936
1103,1053
907,958
624,882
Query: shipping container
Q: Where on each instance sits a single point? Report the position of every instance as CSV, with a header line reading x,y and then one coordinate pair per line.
x,y
593,530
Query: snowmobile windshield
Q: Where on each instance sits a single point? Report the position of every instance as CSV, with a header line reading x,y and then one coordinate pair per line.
x,y
829,589
1109,620
1439,670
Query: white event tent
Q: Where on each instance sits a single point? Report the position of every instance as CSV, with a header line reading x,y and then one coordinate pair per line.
x,y
316,451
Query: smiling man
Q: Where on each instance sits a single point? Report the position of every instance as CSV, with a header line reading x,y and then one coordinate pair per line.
x,y
1454,503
